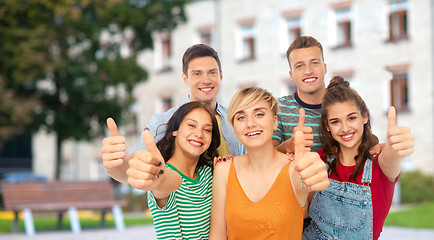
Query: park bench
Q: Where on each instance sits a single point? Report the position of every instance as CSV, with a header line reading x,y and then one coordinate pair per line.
x,y
61,196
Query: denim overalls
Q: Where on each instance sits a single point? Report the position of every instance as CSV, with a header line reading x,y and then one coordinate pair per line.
x,y
343,210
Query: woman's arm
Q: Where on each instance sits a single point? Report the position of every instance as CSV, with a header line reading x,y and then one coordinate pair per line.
x,y
400,144
307,172
220,180
147,171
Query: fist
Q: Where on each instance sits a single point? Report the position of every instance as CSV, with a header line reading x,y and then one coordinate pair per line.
x,y
146,166
399,138
309,166
113,147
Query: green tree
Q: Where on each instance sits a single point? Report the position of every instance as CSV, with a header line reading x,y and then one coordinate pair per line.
x,y
54,55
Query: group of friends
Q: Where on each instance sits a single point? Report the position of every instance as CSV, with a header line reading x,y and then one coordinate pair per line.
x,y
257,169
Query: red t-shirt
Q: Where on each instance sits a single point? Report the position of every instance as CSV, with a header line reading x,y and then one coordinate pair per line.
x,y
381,189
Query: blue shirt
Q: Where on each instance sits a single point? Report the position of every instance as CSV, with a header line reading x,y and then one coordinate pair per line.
x,y
157,127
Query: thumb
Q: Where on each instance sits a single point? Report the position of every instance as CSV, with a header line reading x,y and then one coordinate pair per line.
x,y
149,141
392,116
299,147
301,116
112,127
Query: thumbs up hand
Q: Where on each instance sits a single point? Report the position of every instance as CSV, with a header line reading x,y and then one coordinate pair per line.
x,y
400,138
113,147
309,167
146,167
308,132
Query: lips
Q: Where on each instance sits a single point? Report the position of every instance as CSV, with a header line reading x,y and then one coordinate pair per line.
x,y
195,143
309,80
253,133
347,137
206,89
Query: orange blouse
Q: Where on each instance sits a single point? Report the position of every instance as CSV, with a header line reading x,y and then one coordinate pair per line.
x,y
278,215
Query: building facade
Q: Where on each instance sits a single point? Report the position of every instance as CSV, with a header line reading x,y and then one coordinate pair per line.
x,y
383,47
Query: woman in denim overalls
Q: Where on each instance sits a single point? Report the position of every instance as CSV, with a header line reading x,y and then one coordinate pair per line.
x,y
346,209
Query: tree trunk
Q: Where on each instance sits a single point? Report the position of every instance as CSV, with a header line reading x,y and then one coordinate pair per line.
x,y
58,157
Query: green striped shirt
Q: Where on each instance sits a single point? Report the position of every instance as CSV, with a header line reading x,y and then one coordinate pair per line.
x,y
288,118
188,209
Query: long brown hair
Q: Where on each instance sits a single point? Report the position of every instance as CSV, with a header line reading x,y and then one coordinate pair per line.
x,y
166,145
339,91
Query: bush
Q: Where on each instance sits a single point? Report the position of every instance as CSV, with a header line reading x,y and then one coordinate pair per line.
x,y
416,187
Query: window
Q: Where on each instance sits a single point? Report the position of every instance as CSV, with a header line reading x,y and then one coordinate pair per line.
x,y
205,34
167,103
289,86
399,91
343,19
248,42
166,54
294,28
348,75
163,52
398,20
206,37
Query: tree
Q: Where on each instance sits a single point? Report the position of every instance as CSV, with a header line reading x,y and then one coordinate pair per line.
x,y
53,53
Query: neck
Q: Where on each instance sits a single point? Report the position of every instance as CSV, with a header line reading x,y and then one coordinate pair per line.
x,y
210,104
347,155
184,164
261,158
312,98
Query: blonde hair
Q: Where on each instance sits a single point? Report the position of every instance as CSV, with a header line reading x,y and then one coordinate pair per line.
x,y
248,97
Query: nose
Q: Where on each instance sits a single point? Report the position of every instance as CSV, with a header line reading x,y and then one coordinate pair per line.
x,y
308,69
199,133
251,122
345,127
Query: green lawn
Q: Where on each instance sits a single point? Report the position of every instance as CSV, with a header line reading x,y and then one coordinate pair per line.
x,y
50,223
420,216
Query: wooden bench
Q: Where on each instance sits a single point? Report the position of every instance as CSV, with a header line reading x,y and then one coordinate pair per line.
x,y
61,196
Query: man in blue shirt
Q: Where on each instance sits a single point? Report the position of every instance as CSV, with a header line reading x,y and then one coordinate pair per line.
x,y
202,74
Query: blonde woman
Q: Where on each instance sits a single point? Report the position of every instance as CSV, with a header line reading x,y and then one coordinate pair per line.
x,y
262,194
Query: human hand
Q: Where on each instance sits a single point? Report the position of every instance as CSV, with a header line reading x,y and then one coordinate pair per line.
x,y
223,158
113,147
309,166
400,138
147,165
375,150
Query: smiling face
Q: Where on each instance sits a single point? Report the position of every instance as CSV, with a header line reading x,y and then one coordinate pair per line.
x,y
346,123
203,79
308,70
194,134
254,126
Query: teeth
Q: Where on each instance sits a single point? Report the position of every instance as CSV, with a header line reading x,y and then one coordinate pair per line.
x,y
309,80
348,136
253,133
206,89
195,143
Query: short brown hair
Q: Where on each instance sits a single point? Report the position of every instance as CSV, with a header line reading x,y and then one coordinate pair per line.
x,y
303,42
199,50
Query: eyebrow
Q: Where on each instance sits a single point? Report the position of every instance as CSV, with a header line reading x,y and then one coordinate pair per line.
x,y
349,114
197,121
310,60
203,70
256,109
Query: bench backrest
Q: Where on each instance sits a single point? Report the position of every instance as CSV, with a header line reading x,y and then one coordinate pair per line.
x,y
55,191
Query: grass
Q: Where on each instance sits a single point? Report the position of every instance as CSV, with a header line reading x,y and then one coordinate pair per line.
x,y
419,216
49,223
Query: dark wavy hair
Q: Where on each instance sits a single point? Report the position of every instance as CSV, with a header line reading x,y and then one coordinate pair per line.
x,y
339,91
166,145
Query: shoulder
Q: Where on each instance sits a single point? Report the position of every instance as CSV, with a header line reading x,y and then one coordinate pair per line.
x,y
286,99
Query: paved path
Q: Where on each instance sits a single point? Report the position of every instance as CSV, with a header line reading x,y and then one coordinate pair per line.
x,y
148,233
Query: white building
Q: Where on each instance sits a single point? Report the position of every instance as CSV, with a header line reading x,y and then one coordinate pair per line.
x,y
383,47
